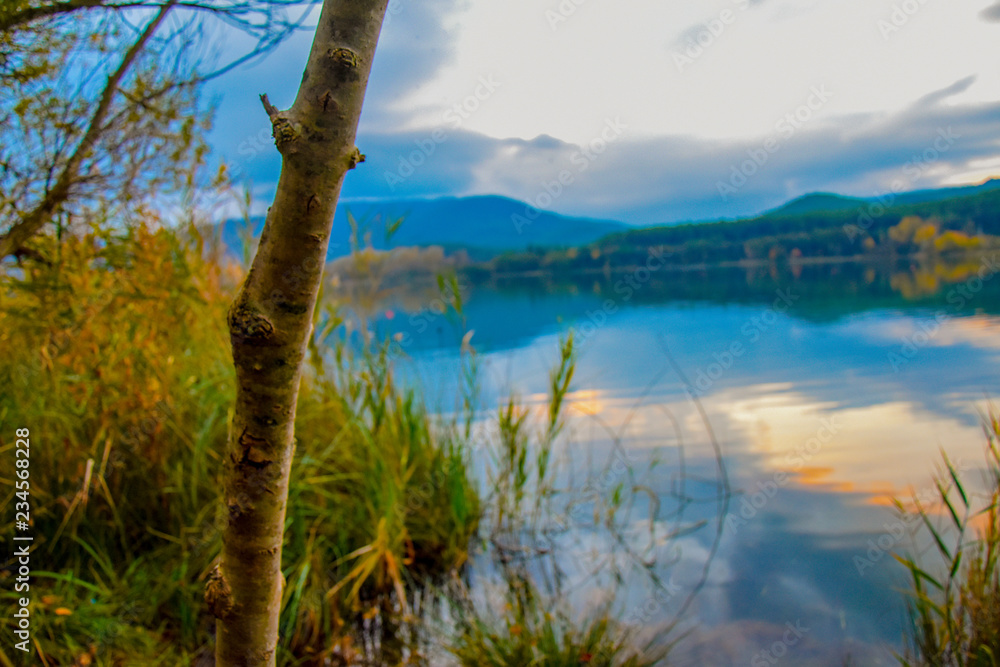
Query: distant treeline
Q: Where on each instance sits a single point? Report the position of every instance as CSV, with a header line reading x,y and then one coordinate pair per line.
x,y
874,229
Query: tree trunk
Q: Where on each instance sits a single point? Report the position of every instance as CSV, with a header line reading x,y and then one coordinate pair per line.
x,y
270,322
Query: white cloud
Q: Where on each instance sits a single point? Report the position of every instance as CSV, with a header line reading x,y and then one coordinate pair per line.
x,y
618,59
686,125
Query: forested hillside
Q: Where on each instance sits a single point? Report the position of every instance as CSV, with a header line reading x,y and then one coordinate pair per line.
x,y
849,232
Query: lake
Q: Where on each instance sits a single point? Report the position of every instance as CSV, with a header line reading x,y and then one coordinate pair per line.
x,y
830,390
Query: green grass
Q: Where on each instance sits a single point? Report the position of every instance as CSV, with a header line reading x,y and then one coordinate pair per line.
x,y
955,605
116,357
537,630
117,360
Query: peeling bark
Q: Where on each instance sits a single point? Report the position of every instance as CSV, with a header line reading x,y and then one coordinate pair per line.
x,y
270,322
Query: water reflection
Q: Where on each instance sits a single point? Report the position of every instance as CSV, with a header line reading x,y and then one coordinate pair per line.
x,y
819,423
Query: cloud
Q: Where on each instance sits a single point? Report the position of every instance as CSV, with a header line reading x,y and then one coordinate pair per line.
x,y
689,36
676,178
649,180
991,13
932,99
673,178
413,46
402,165
415,43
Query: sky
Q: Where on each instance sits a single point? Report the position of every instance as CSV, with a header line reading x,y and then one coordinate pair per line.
x,y
651,112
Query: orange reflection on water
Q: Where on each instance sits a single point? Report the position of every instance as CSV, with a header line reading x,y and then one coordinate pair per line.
x,y
882,451
876,452
821,477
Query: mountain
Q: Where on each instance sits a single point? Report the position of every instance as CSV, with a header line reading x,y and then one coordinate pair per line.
x,y
852,231
941,194
483,226
828,202
819,201
486,226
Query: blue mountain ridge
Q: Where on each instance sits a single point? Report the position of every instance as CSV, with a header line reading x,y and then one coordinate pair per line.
x,y
486,225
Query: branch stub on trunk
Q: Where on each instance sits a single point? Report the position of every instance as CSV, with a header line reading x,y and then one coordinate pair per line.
x,y
218,595
246,324
346,63
254,451
355,158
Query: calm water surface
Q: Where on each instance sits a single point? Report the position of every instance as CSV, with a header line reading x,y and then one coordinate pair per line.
x,y
830,391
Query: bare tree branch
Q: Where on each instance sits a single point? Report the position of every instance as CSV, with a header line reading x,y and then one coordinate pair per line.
x,y
240,12
31,222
